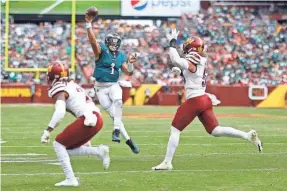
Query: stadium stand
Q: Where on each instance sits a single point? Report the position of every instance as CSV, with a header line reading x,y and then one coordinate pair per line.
x,y
245,46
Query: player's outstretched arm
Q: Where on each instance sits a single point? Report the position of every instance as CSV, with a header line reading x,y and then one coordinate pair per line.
x,y
59,113
182,63
174,56
128,67
92,38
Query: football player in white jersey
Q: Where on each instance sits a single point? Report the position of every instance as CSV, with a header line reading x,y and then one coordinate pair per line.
x,y
198,103
71,142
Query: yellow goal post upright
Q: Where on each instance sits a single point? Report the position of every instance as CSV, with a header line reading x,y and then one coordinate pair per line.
x,y
38,70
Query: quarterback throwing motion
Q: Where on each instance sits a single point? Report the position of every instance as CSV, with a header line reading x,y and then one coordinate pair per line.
x,y
71,142
198,103
109,62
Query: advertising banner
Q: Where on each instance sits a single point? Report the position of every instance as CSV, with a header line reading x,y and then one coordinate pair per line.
x,y
159,8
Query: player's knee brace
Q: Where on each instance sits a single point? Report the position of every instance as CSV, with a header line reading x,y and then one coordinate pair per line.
x,y
118,103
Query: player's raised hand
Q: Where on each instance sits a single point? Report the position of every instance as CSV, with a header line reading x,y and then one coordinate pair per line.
x,y
45,137
173,35
132,58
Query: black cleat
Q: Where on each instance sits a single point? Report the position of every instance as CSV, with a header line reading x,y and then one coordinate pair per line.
x,y
133,146
116,136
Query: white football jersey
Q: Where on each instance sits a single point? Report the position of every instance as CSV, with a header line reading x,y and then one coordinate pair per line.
x,y
195,83
78,102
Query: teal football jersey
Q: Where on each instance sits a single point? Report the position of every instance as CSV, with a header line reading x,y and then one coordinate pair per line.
x,y
108,66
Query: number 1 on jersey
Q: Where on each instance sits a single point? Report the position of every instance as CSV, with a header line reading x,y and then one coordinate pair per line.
x,y
113,68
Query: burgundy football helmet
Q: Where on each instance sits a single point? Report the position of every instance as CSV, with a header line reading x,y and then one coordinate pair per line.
x,y
57,71
193,44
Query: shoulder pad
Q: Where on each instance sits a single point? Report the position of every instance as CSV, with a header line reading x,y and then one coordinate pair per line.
x,y
56,88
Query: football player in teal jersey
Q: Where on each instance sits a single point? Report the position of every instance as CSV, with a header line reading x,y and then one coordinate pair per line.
x,y
109,61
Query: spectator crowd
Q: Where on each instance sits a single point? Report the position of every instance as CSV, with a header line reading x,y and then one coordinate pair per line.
x,y
244,46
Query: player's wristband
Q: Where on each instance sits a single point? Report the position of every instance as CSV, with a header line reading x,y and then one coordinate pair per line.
x,y
172,43
130,67
88,25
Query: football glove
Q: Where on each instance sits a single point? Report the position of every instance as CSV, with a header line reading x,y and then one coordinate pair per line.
x,y
176,70
172,37
45,137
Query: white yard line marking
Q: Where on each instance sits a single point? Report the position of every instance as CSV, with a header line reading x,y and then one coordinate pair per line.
x,y
55,163
47,160
151,136
27,154
1,142
149,171
151,144
28,161
48,9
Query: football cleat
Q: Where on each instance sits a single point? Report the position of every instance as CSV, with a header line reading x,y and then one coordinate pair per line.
x,y
163,166
105,156
116,136
253,138
69,182
133,146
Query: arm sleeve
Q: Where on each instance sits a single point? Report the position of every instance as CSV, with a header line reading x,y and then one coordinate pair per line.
x,y
59,113
177,60
193,57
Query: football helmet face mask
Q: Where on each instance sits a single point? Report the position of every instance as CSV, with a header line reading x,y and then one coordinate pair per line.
x,y
193,44
57,71
113,42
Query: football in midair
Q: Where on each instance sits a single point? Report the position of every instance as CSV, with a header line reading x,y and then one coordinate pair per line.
x,y
92,12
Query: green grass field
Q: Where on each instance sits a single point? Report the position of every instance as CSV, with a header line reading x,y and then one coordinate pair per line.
x,y
202,162
35,7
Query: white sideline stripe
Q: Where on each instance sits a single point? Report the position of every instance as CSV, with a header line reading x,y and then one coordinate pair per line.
x,y
149,171
46,10
27,154
152,144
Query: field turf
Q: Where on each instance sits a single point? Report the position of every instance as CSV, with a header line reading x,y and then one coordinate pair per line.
x,y
202,162
35,7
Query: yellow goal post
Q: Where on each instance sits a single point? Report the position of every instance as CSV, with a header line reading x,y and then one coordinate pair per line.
x,y
38,70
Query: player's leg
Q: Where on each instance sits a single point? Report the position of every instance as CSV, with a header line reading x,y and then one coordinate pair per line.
x,y
69,142
116,96
104,100
211,125
183,117
64,160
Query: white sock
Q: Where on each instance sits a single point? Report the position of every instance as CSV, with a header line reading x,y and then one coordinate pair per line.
x,y
228,132
83,150
124,132
118,112
64,159
172,144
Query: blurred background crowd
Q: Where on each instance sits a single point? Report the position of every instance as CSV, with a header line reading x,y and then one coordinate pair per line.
x,y
244,45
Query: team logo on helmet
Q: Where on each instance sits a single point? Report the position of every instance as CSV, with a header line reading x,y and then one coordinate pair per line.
x,y
139,4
